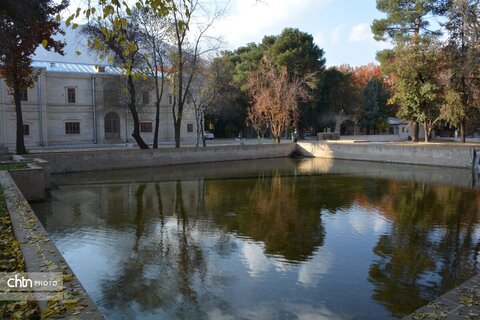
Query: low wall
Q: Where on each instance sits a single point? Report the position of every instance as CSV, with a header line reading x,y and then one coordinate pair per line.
x,y
377,137
31,181
432,154
39,251
96,160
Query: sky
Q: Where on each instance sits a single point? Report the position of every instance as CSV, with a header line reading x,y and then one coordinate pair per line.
x,y
340,27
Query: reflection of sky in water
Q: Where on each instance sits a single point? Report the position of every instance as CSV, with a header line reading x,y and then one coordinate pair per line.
x,y
218,249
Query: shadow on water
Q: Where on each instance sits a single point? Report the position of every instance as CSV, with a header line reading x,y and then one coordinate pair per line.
x,y
267,239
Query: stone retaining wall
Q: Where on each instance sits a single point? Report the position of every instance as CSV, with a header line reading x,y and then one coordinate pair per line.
x,y
40,251
98,160
424,154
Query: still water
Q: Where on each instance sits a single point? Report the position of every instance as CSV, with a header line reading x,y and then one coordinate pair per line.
x,y
270,239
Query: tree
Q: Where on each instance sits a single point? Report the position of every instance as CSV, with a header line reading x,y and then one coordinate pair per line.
x,y
120,44
297,51
292,49
24,25
462,60
275,96
153,33
338,95
229,109
374,111
407,22
202,94
362,75
188,49
416,70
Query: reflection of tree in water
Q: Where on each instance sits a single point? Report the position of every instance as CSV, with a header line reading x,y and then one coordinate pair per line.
x,y
430,248
285,212
166,269
268,210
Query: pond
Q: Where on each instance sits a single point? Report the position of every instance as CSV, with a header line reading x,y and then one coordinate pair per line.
x,y
267,239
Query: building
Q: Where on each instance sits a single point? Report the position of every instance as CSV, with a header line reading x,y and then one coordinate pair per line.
x,y
79,100
80,103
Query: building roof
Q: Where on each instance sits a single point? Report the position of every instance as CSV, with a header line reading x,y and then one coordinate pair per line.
x,y
71,67
396,121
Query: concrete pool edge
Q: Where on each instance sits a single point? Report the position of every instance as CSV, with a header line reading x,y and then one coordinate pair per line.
x,y
431,154
40,252
462,302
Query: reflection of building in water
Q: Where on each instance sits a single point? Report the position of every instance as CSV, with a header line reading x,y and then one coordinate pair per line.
x,y
116,204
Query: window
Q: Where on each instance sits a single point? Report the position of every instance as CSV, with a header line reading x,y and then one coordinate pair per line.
x,y
24,94
146,97
72,127
146,127
26,130
71,95
170,100
190,127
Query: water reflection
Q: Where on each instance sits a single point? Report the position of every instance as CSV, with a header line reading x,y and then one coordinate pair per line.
x,y
269,210
431,244
275,242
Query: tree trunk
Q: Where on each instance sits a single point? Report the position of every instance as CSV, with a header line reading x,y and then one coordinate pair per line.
x,y
157,125
278,139
204,142
133,110
428,131
462,130
18,111
416,129
177,127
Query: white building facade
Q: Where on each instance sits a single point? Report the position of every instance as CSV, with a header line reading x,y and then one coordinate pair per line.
x,y
79,104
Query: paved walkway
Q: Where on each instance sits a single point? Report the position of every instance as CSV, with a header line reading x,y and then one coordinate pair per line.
x,y
463,302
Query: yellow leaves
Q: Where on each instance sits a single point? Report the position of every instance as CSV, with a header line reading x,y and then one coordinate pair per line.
x,y
67,277
49,266
74,26
44,43
77,53
69,20
108,10
47,313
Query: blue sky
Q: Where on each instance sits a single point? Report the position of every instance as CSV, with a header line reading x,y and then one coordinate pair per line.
x,y
340,27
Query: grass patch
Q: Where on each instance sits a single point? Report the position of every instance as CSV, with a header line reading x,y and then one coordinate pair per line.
x,y
13,165
11,260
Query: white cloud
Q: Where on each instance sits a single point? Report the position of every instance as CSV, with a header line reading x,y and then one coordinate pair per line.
x,y
360,33
319,39
250,20
255,259
337,33
310,272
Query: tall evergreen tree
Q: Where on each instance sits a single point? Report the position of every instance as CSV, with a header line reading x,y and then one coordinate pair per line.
x,y
25,25
462,61
374,111
407,24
